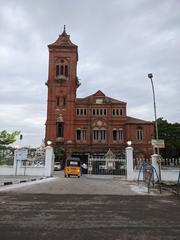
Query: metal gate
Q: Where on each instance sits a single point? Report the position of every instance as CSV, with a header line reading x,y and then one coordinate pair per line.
x,y
105,166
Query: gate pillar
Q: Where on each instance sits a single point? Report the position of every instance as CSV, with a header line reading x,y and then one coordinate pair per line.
x,y
155,163
129,160
49,161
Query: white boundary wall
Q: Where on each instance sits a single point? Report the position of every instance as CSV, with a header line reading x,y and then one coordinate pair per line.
x,y
18,170
132,175
6,170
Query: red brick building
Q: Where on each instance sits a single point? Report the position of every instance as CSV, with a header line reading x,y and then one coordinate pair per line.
x,y
91,125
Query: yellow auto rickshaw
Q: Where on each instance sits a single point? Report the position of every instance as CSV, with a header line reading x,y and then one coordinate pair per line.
x,y
72,167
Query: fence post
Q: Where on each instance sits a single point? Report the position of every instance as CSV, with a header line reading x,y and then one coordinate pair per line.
x,y
49,161
129,159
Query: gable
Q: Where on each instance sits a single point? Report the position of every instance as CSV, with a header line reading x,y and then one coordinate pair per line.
x,y
96,98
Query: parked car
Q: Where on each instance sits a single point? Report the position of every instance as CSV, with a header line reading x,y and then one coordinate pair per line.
x,y
57,166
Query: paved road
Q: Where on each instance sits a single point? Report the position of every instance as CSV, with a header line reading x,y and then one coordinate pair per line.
x,y
106,217
69,209
84,185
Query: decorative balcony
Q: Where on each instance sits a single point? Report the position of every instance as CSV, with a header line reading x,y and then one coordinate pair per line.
x,y
61,78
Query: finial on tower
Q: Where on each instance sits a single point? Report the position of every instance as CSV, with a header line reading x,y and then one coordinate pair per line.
x,y
64,31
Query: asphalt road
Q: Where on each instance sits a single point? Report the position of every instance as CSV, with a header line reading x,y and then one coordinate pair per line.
x,y
83,185
51,216
100,185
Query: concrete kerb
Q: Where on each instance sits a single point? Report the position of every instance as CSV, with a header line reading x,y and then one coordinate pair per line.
x,y
11,180
16,185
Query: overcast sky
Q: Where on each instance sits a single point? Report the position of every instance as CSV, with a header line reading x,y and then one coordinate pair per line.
x,y
119,43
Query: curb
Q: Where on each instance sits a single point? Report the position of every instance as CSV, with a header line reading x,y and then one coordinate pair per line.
x,y
19,181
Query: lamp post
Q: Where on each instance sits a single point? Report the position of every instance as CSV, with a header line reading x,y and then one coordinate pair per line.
x,y
20,140
150,75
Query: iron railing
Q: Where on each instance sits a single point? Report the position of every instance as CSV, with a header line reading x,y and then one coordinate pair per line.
x,y
104,166
7,156
168,163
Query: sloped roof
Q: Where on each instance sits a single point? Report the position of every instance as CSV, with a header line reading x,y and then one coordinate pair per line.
x,y
99,93
132,120
63,41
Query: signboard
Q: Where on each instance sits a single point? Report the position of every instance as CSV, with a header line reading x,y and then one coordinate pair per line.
x,y
158,143
21,154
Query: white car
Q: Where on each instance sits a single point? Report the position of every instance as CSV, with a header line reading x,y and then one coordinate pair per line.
x,y
57,166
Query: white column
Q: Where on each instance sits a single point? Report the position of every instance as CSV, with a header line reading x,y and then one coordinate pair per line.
x,y
129,159
155,164
49,162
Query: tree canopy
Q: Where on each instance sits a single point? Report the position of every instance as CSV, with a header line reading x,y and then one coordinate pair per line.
x,y
58,153
170,132
7,138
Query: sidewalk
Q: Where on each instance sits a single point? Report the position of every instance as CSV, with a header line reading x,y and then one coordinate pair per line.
x,y
8,180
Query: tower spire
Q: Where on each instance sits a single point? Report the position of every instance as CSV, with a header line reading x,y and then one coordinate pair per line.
x,y
64,30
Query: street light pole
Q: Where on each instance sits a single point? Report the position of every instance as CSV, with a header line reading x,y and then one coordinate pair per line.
x,y
20,140
150,75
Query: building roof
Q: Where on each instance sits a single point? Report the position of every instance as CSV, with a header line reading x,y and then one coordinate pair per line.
x,y
100,94
63,41
132,120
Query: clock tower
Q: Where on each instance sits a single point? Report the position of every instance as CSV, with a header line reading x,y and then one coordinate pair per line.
x,y
88,126
62,85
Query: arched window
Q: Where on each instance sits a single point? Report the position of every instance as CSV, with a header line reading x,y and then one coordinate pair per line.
x,y
99,111
57,70
139,133
66,70
99,135
117,135
81,135
117,112
78,134
60,129
57,101
62,68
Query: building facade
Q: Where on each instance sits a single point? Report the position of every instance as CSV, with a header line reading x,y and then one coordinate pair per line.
x,y
92,125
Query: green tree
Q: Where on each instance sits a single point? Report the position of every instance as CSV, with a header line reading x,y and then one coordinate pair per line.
x,y
170,132
57,153
8,138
